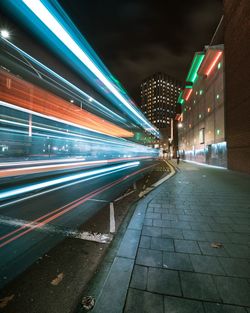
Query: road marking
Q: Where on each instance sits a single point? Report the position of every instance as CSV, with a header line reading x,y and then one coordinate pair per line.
x,y
98,200
84,235
123,196
111,218
159,182
134,185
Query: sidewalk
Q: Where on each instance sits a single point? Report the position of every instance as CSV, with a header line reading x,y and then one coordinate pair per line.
x,y
185,250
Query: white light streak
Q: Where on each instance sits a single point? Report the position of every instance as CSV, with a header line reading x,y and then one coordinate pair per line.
x,y
18,191
205,165
107,111
55,27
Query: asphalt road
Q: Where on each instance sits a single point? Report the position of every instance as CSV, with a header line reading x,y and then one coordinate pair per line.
x,y
30,228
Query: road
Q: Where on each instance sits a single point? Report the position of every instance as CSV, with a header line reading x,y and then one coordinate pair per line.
x,y
31,227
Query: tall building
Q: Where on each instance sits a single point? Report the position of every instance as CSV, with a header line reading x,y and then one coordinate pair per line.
x,y
159,94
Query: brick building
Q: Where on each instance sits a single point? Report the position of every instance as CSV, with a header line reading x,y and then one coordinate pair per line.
x,y
237,89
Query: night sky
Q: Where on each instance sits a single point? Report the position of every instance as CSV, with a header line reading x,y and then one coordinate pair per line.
x,y
134,39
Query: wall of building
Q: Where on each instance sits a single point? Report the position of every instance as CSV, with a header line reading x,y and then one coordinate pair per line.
x,y
237,89
202,135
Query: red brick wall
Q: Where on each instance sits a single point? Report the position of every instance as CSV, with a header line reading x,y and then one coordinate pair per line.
x,y
237,83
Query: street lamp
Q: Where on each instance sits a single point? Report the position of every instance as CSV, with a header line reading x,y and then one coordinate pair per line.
x,y
4,33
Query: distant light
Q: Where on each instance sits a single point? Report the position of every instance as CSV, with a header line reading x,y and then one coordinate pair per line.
x,y
219,65
180,125
201,92
217,96
4,33
72,101
90,99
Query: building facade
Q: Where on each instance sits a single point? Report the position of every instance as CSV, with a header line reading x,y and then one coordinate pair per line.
x,y
159,94
202,122
237,91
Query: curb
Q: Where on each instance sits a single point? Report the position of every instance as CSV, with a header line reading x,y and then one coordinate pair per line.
x,y
110,299
173,170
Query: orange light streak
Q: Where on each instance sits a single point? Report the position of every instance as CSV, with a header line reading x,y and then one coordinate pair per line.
x,y
219,53
188,94
24,94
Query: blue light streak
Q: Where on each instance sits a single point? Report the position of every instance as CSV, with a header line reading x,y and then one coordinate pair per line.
x,y
57,31
91,144
115,140
49,183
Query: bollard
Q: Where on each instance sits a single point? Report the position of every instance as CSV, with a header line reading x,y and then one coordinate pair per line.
x,y
111,218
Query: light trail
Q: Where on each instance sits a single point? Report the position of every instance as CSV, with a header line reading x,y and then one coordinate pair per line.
x,y
59,34
9,172
116,140
13,192
68,160
119,147
45,219
87,97
55,27
26,95
15,107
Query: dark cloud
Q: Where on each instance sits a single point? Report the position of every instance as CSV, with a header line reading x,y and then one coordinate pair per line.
x,y
137,38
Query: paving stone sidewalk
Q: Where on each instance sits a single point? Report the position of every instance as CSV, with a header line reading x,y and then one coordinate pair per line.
x,y
186,249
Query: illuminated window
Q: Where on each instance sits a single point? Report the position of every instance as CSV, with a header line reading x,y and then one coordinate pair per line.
x,y
202,135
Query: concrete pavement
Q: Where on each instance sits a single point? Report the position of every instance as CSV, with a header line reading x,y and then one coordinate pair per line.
x,y
185,249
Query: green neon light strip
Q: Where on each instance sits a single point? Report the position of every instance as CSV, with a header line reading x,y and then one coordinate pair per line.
x,y
180,97
192,74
